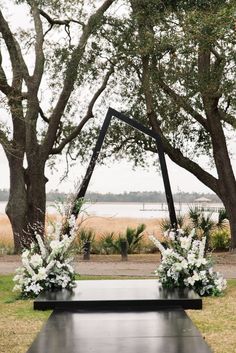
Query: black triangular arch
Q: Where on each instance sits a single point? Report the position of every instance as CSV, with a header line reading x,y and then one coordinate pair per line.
x,y
112,113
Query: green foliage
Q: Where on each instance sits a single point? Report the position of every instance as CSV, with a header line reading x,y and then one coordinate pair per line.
x,y
201,220
133,236
84,235
220,240
171,45
6,249
166,225
215,235
109,244
222,218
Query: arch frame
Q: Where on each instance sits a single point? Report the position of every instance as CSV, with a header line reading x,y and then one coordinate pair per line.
x,y
112,113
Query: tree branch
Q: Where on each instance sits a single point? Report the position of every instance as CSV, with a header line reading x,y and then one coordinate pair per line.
x,y
43,116
183,103
53,22
175,154
18,65
39,54
3,139
228,118
4,86
71,75
89,115
192,167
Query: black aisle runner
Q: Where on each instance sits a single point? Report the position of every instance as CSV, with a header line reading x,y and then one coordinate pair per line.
x,y
123,316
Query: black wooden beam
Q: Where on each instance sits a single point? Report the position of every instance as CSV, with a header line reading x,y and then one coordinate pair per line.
x,y
137,125
83,187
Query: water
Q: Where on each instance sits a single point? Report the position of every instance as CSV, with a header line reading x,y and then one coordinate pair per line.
x,y
128,210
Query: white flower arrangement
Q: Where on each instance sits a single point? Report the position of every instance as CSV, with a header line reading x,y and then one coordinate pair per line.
x,y
184,264
47,264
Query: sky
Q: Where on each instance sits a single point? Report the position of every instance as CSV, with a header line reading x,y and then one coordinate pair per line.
x,y
118,177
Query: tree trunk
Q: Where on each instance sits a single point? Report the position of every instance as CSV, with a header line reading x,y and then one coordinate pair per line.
x,y
229,200
36,196
27,201
232,223
16,208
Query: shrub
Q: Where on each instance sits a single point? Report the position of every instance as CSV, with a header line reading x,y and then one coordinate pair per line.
x,y
133,236
220,240
109,244
83,236
165,223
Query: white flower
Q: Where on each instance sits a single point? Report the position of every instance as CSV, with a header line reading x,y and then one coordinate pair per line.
x,y
55,244
27,266
192,233
50,229
72,221
47,265
50,266
42,274
185,243
203,273
180,231
36,261
157,243
191,280
70,268
25,253
41,246
191,258
59,264
202,247
200,262
184,264
172,235
34,287
17,288
178,266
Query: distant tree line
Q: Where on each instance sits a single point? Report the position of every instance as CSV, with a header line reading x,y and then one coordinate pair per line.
x,y
132,196
148,196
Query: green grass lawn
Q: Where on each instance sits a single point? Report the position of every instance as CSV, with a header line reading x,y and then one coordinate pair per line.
x,y
19,323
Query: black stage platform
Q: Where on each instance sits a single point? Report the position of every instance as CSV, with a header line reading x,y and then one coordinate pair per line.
x,y
118,295
119,316
162,331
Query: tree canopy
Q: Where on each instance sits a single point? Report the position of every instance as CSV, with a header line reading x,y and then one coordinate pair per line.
x,y
177,76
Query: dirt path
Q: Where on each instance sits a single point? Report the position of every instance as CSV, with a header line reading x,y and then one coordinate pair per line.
x,y
137,265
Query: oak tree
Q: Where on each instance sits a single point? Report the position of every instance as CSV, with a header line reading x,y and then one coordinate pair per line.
x,y
42,63
177,70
